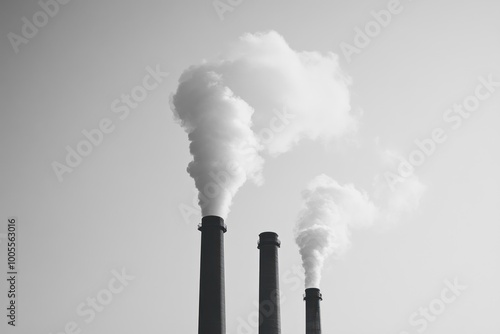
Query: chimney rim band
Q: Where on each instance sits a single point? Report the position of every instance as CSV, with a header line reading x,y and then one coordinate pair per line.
x,y
313,293
268,238
211,222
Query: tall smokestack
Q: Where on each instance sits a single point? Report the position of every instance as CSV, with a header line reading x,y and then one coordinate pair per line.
x,y
212,309
313,318
269,300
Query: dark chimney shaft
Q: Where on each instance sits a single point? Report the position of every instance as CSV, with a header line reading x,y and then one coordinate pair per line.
x,y
313,318
212,309
269,299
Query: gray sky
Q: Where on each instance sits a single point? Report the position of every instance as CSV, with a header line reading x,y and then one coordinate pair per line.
x,y
119,209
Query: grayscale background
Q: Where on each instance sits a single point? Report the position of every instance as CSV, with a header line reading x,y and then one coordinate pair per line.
x,y
122,208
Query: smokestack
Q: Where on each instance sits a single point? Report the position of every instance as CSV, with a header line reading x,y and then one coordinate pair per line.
x,y
313,318
212,309
269,300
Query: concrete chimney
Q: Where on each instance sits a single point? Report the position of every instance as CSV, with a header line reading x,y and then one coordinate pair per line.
x,y
269,300
212,308
313,318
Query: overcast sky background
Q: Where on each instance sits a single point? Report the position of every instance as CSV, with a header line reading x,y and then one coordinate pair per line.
x,y
120,207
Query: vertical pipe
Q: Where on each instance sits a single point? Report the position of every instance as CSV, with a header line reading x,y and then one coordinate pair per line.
x,y
269,301
313,316
212,309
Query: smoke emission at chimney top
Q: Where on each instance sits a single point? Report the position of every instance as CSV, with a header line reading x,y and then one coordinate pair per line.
x,y
331,210
323,224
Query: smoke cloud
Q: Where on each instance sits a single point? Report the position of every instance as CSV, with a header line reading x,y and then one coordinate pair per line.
x,y
261,97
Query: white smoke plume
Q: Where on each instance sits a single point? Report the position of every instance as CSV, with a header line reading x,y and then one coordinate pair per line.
x,y
323,226
223,145
331,210
260,96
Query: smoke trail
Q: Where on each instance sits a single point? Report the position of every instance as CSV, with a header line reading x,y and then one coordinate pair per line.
x,y
330,210
398,197
260,96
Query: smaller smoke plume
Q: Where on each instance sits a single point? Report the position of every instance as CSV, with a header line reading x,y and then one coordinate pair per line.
x,y
331,210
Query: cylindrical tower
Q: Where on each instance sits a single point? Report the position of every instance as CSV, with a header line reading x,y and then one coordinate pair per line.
x,y
269,299
212,309
313,318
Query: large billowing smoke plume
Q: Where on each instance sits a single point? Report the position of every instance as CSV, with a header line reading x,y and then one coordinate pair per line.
x,y
261,96
331,210
223,145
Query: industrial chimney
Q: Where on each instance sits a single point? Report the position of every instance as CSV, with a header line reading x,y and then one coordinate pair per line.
x,y
212,309
269,299
313,318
